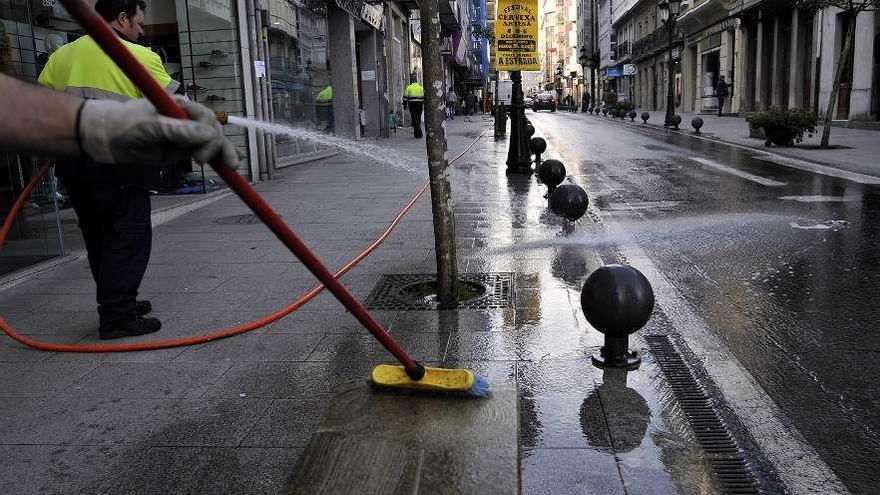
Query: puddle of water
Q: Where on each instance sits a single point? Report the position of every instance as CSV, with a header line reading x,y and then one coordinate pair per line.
x,y
381,154
815,199
833,225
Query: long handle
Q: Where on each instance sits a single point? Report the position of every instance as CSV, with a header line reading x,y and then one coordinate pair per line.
x,y
101,32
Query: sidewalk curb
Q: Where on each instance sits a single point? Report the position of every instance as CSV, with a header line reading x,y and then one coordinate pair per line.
x,y
786,160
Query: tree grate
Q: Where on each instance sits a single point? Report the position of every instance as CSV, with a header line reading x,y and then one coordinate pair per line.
x,y
499,291
245,219
732,472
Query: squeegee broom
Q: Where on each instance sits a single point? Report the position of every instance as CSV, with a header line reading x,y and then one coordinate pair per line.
x,y
412,375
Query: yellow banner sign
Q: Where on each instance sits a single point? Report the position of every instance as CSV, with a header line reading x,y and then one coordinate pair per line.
x,y
516,35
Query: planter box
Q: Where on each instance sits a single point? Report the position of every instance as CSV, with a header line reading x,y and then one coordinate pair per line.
x,y
780,136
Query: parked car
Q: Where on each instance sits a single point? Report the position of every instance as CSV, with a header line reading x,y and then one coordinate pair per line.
x,y
528,100
544,101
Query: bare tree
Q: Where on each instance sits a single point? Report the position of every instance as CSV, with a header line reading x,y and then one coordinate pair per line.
x,y
850,10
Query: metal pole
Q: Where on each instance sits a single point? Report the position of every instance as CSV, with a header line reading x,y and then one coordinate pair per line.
x,y
518,157
258,93
670,97
438,167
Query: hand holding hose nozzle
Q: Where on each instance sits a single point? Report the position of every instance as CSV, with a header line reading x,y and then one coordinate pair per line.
x,y
135,133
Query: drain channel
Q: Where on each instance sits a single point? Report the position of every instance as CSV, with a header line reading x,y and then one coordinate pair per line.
x,y
725,459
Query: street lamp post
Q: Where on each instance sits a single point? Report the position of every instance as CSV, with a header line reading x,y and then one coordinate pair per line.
x,y
669,10
583,60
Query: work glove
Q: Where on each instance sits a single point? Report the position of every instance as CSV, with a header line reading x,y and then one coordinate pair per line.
x,y
133,133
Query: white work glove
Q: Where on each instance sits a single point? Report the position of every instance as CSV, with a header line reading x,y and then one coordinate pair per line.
x,y
133,133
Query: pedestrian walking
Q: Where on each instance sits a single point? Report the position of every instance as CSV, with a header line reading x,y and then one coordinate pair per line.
x,y
471,101
112,203
721,91
451,103
324,108
414,99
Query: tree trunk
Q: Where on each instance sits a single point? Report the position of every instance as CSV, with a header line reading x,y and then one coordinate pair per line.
x,y
838,75
438,167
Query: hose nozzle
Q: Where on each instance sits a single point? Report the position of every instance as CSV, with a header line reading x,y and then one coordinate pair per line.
x,y
222,117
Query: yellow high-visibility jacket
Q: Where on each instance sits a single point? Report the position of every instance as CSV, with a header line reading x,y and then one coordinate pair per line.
x,y
414,92
81,68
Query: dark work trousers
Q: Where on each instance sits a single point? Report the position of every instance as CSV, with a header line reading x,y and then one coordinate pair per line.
x,y
115,223
720,104
415,112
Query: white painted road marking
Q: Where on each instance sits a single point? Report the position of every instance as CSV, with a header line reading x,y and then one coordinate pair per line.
x,y
819,169
737,172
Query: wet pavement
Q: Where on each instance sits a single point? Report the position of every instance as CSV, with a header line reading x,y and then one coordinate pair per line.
x,y
780,263
235,416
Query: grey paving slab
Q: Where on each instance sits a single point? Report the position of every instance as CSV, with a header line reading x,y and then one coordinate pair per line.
x,y
206,422
56,469
147,380
469,445
340,464
250,347
570,471
347,348
69,322
288,422
191,470
491,320
287,380
39,380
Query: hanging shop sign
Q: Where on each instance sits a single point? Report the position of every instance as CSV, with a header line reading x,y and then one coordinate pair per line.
x,y
372,15
516,35
629,69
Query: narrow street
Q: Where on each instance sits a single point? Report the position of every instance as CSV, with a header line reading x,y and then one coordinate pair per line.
x,y
779,263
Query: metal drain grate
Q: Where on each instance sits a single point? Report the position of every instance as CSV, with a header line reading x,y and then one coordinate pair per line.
x,y
731,470
246,219
387,293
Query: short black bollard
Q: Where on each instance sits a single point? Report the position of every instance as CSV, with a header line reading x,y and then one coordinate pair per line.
x,y
604,111
632,115
697,123
569,201
645,117
537,145
676,120
617,300
530,129
551,173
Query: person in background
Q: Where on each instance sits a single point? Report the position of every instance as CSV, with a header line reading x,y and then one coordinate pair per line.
x,y
451,103
722,89
324,108
414,99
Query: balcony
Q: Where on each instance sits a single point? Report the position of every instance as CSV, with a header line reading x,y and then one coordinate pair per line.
x,y
652,43
624,50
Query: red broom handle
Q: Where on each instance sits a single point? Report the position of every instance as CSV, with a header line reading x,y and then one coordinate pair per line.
x,y
101,32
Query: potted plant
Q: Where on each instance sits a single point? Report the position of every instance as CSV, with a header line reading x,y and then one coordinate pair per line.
x,y
783,126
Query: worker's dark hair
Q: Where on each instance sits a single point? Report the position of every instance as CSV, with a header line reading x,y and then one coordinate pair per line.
x,y
110,9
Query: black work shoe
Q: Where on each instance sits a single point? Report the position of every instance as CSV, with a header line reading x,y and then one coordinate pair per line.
x,y
137,326
142,308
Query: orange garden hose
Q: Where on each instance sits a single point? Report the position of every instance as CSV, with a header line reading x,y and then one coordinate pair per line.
x,y
208,337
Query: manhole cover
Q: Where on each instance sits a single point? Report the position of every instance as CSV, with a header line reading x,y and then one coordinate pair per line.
x,y
247,218
415,291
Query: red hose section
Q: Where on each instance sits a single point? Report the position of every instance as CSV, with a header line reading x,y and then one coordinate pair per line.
x,y
199,339
100,31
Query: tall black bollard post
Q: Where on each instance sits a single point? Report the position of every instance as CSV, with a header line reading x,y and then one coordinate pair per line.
x,y
518,157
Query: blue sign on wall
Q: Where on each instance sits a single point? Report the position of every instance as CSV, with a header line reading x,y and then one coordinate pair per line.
x,y
614,72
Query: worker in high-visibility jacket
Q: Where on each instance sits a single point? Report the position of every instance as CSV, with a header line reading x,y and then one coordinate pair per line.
x,y
414,99
112,203
324,108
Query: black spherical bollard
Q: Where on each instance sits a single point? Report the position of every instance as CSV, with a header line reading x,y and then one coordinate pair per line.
x,y
697,123
551,173
645,117
530,129
537,145
569,201
676,120
604,111
632,115
617,300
